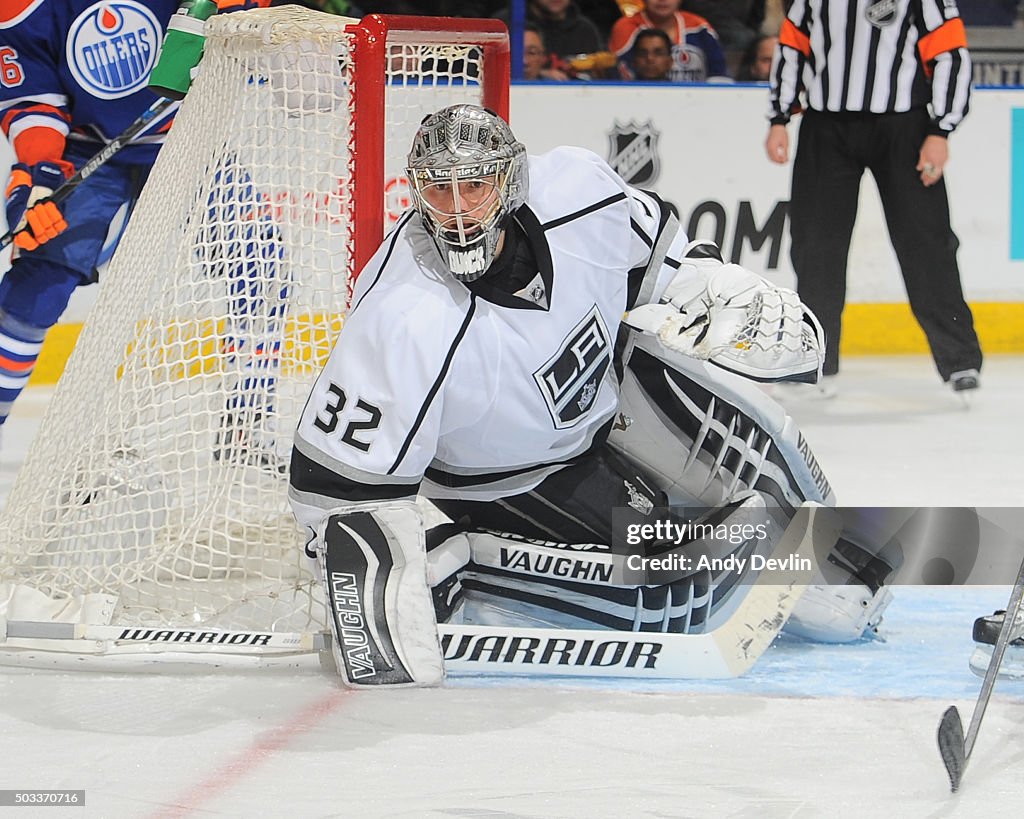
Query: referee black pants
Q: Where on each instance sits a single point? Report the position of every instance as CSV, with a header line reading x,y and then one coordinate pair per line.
x,y
832,154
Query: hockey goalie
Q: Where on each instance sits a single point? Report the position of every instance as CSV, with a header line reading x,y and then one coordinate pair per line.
x,y
538,350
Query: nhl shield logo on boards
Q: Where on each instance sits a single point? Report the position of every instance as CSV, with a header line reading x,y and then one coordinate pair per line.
x,y
112,47
633,152
882,13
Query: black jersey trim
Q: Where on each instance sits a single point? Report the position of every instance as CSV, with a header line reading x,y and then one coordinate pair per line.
x,y
457,481
571,217
641,280
391,249
316,479
436,386
639,231
533,236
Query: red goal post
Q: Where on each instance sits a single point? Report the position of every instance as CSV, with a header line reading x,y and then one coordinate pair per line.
x,y
376,37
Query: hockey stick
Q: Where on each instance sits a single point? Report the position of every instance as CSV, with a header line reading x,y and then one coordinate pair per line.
x,y
182,639
728,651
953,746
116,144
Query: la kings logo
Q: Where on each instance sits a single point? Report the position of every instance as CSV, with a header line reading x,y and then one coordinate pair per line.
x,y
571,378
639,501
633,152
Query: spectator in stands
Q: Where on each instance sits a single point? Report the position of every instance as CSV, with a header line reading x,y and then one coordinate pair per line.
x,y
565,29
696,53
652,55
756,65
736,22
567,33
604,13
536,57
774,14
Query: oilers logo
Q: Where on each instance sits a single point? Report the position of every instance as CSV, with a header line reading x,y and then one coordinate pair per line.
x,y
112,47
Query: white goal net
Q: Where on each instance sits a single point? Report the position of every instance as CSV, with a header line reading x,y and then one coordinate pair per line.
x,y
154,497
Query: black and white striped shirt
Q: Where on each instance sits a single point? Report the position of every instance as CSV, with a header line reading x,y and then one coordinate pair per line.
x,y
873,56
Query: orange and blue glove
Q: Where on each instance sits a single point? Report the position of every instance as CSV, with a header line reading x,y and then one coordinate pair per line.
x,y
28,208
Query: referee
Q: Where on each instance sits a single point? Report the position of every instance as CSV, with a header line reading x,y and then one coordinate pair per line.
x,y
885,82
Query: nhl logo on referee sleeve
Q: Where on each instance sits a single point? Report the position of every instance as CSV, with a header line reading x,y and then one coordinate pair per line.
x,y
882,13
570,379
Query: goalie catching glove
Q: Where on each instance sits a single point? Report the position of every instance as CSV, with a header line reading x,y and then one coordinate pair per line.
x,y
28,208
731,317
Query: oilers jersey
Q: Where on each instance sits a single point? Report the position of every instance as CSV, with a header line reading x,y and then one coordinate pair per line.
x,y
77,70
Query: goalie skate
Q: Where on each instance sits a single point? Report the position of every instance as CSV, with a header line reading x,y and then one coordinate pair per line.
x,y
986,632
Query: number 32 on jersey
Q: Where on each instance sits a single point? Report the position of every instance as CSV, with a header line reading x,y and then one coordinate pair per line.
x,y
368,420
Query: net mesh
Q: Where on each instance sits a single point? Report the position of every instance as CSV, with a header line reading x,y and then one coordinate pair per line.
x,y
158,480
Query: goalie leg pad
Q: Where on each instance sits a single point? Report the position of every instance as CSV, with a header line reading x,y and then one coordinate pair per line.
x,y
373,566
580,585
447,556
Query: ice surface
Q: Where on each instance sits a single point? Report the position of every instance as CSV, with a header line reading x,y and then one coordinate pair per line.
x,y
813,730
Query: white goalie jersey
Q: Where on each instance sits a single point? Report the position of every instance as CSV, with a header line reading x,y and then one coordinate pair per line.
x,y
432,388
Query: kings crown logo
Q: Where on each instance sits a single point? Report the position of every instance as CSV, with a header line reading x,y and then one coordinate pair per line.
x,y
633,152
571,378
112,47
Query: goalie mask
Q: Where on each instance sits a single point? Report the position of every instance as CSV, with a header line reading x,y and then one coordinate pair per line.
x,y
468,175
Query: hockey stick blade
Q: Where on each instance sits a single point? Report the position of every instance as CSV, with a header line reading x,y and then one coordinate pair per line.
x,y
471,650
954,746
951,746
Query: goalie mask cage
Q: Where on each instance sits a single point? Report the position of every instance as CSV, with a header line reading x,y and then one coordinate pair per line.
x,y
154,498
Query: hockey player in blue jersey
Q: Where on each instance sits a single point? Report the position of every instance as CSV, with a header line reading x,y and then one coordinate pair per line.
x,y
73,75
539,350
